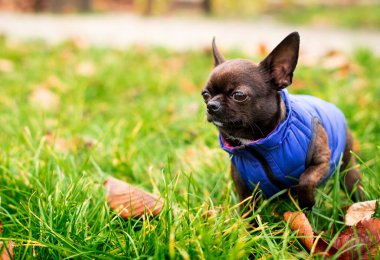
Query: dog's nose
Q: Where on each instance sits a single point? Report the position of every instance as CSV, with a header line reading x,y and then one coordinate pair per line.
x,y
213,106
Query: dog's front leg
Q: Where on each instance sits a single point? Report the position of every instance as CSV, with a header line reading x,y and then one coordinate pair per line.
x,y
318,166
243,191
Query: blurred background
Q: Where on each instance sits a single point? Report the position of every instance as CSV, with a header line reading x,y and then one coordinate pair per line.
x,y
98,88
311,9
252,26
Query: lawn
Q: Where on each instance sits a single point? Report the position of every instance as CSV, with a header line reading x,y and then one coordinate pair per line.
x,y
72,115
349,16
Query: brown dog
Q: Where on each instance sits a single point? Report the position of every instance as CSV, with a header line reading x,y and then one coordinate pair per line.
x,y
276,140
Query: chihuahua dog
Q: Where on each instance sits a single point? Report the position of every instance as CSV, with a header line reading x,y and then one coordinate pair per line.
x,y
276,140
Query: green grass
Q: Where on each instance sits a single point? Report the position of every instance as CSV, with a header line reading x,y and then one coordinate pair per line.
x,y
366,16
137,115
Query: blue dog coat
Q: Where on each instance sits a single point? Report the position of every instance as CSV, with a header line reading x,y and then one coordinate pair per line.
x,y
277,161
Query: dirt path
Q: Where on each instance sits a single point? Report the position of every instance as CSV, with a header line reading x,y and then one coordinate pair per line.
x,y
119,30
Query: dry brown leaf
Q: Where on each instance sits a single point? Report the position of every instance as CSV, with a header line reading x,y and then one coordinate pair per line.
x,y
130,201
360,211
44,98
298,221
361,240
357,239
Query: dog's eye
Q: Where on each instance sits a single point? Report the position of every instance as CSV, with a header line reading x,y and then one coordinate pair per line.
x,y
239,96
206,95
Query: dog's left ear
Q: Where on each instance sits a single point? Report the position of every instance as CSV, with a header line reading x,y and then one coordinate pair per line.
x,y
218,58
282,61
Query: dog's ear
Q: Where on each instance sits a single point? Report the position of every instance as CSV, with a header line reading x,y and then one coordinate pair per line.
x,y
218,58
282,61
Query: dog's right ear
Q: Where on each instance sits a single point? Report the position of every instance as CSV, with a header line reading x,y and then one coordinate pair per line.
x,y
218,58
282,61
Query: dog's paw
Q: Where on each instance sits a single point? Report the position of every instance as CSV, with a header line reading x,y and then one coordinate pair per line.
x,y
306,198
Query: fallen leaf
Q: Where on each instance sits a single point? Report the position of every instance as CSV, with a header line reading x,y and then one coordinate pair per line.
x,y
362,239
301,224
298,221
130,201
360,211
44,98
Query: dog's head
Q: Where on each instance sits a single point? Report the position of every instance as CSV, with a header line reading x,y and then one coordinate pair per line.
x,y
242,97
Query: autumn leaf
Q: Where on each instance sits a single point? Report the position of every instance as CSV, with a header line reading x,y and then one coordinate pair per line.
x,y
362,239
301,224
360,211
130,201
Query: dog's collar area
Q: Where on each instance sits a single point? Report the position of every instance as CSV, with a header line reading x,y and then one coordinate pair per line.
x,y
242,141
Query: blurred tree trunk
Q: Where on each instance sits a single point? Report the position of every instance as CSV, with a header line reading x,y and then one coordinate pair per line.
x,y
148,7
39,5
207,6
56,6
84,5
